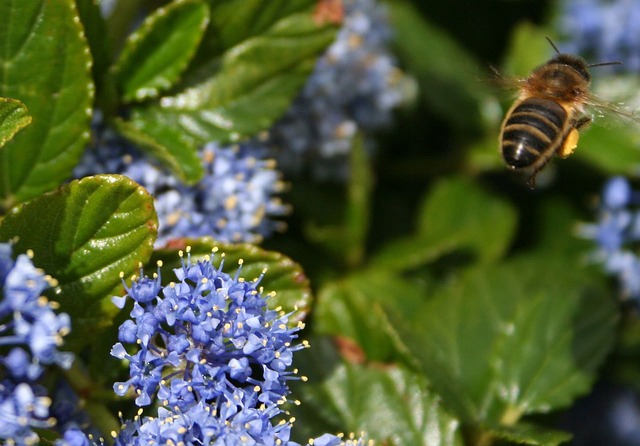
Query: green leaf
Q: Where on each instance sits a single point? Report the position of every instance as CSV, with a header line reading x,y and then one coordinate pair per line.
x,y
359,202
556,231
455,215
459,209
447,75
506,341
84,234
46,65
341,305
95,30
528,48
612,147
228,28
412,252
283,276
344,232
14,116
483,154
523,433
169,146
254,85
158,52
390,404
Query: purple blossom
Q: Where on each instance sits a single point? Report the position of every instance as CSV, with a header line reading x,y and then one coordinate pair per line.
x,y
236,201
616,232
23,407
603,31
204,424
31,333
204,338
354,87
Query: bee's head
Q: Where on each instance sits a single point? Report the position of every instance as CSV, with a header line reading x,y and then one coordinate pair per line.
x,y
575,62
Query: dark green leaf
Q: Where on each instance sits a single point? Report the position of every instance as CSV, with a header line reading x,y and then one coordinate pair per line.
x,y
254,85
456,214
95,29
14,116
84,234
612,147
458,209
507,341
483,155
168,145
122,18
283,276
341,306
359,203
523,433
528,49
412,252
448,77
158,52
556,223
46,65
228,28
390,404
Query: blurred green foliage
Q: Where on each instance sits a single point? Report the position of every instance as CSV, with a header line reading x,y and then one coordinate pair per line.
x,y
447,303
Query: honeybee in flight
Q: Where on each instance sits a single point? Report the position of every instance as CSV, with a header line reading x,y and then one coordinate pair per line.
x,y
547,116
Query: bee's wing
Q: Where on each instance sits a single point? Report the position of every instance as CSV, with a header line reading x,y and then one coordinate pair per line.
x,y
498,81
606,108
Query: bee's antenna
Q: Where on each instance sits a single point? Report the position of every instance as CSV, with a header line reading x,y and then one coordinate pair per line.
x,y
552,44
600,64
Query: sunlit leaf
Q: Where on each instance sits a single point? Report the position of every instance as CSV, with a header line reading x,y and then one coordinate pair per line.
x,y
157,53
84,234
14,116
391,404
506,341
254,85
281,275
47,66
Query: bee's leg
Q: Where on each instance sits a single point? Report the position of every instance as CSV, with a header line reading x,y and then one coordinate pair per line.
x,y
580,123
531,182
570,143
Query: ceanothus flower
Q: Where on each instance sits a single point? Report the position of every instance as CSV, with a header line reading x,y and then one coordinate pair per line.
x,y
23,407
213,356
615,233
234,202
207,337
603,31
354,87
203,424
340,440
30,335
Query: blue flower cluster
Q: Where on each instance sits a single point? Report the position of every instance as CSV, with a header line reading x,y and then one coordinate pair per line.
x,y
355,86
217,359
30,335
617,232
603,31
235,201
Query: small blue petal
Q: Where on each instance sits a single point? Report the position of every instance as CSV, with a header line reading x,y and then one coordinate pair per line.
x,y
617,193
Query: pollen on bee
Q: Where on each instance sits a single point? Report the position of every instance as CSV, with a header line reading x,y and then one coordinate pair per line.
x,y
570,144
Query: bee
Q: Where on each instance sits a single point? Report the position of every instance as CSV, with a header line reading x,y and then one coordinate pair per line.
x,y
546,118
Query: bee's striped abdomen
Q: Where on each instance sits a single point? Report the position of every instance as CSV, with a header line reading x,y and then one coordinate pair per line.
x,y
532,133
